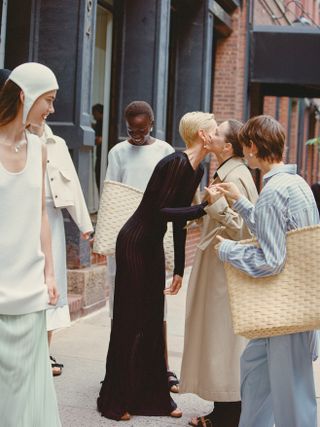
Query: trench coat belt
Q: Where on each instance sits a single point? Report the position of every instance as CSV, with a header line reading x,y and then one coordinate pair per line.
x,y
209,238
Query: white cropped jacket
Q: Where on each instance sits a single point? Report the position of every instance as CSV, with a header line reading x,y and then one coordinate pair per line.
x,y
64,182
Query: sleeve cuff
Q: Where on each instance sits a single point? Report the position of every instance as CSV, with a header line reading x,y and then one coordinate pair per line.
x,y
217,207
224,249
178,272
242,204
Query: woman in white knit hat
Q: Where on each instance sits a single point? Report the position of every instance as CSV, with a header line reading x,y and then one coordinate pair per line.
x,y
27,283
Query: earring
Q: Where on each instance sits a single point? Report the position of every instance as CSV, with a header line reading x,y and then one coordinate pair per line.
x,y
250,154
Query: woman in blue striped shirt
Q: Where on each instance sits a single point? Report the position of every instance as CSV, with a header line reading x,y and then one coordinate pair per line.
x,y
277,384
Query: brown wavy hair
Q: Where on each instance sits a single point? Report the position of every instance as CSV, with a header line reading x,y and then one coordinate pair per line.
x,y
9,102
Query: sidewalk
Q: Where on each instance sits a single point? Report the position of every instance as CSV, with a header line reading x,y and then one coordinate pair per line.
x,y
82,348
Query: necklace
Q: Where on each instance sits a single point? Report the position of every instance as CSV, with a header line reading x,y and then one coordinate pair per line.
x,y
18,146
15,147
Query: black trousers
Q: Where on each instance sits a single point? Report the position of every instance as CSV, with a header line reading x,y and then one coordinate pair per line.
x,y
226,414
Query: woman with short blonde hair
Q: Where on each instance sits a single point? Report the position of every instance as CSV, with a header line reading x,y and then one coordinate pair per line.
x,y
136,349
191,123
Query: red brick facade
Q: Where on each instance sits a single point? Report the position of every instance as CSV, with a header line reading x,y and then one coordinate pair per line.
x,y
229,90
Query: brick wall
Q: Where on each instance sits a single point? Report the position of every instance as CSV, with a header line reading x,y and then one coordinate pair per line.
x,y
228,84
292,149
229,87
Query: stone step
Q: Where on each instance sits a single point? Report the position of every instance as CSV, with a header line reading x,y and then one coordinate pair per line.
x,y
75,302
87,289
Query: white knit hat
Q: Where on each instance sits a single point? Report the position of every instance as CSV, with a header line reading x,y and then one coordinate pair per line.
x,y
34,79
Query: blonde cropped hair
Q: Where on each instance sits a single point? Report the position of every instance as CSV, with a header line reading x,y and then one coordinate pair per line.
x,y
191,123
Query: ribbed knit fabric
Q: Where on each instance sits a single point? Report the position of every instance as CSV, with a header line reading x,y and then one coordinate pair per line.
x,y
27,394
136,376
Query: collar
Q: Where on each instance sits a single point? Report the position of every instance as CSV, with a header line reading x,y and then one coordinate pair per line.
x,y
291,169
227,166
49,134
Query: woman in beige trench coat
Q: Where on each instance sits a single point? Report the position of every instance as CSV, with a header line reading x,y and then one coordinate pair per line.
x,y
211,357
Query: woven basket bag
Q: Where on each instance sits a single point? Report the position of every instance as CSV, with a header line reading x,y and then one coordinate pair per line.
x,y
118,202
283,304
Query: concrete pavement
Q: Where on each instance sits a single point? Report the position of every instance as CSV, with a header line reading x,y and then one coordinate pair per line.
x,y
82,348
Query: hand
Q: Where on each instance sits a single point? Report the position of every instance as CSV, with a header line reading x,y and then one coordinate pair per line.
x,y
52,290
89,235
86,235
213,194
229,189
175,286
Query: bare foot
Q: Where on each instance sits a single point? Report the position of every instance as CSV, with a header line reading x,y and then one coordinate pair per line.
x,y
174,389
125,417
177,413
194,421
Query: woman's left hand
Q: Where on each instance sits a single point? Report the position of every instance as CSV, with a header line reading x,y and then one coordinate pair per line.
x,y
213,194
52,290
175,286
229,190
86,235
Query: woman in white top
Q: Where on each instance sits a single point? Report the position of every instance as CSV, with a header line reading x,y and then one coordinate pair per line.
x,y
27,283
132,162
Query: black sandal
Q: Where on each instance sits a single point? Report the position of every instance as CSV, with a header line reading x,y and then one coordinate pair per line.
x,y
55,364
173,382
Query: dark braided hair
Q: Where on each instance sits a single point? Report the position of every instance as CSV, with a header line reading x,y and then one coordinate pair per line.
x,y
138,107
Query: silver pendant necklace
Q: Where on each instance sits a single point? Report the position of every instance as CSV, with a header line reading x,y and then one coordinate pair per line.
x,y
16,147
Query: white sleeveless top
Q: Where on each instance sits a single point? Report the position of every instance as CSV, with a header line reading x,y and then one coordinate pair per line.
x,y
22,287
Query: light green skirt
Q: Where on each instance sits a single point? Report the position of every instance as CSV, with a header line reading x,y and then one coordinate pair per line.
x,y
27,394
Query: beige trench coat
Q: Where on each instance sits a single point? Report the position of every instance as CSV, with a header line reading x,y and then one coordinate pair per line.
x,y
211,356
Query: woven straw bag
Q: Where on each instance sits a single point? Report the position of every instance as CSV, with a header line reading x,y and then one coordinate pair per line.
x,y
283,304
118,202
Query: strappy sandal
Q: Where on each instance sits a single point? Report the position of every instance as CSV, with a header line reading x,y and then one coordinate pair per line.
x,y
204,421
173,382
56,367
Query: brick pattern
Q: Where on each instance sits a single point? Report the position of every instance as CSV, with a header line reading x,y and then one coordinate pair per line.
x,y
229,87
228,92
229,77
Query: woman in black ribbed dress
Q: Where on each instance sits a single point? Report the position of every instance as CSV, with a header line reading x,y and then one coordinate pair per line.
x,y
136,376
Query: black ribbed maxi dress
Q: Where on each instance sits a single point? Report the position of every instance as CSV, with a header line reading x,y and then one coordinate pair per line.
x,y
136,376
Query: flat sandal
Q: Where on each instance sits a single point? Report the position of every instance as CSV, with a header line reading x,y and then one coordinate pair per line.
x,y
202,422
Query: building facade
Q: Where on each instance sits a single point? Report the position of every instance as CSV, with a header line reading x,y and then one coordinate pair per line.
x,y
178,55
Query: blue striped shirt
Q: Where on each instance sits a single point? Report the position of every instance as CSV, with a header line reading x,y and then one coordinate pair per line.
x,y
285,203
